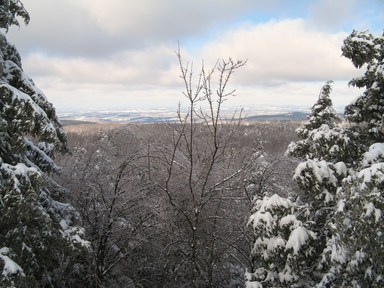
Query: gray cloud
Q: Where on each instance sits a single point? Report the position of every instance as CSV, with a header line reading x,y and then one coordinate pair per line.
x,y
93,28
58,28
335,15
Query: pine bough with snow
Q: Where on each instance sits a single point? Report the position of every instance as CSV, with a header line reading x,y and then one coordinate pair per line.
x,y
331,236
36,229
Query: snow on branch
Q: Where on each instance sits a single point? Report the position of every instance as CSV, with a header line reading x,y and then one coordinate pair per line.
x,y
10,268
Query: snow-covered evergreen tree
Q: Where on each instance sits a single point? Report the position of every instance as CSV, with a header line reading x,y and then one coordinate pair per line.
x,y
315,134
35,227
321,171
319,179
359,226
283,246
342,177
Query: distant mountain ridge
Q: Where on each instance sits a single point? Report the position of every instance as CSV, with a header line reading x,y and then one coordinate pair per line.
x,y
251,114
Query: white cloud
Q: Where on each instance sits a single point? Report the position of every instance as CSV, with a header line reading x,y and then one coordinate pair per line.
x,y
149,66
303,94
277,52
283,51
286,60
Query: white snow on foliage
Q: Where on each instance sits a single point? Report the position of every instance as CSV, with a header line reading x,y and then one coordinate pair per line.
x,y
341,168
251,284
261,218
271,244
10,266
20,169
287,220
338,252
73,233
341,205
268,203
17,95
375,153
327,133
375,172
322,132
357,258
328,196
9,66
320,170
274,243
371,209
298,238
286,276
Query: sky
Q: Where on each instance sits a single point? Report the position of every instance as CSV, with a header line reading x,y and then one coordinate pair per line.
x,y
120,54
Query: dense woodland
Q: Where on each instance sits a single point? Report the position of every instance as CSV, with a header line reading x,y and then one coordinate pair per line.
x,y
143,234
208,201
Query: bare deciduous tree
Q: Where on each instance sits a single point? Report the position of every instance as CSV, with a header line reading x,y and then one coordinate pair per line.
x,y
200,173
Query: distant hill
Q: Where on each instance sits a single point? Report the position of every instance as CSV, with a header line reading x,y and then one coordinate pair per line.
x,y
288,116
68,122
163,115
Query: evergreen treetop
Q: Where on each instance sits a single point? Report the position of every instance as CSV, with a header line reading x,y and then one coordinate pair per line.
x,y
365,50
9,11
